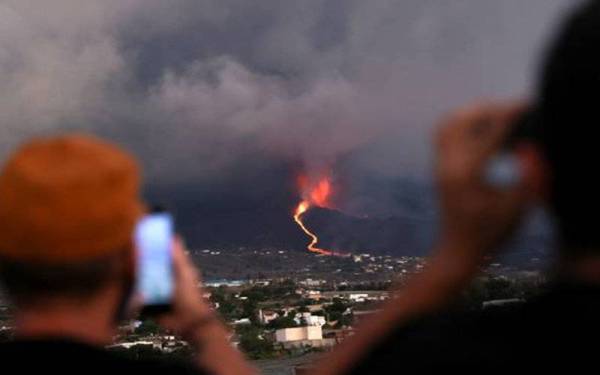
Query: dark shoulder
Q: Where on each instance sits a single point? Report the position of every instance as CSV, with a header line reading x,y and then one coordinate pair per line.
x,y
553,329
69,357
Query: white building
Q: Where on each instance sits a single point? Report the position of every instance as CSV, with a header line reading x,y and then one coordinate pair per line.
x,y
312,294
299,334
266,316
502,302
309,319
358,297
228,283
312,283
243,321
300,337
315,320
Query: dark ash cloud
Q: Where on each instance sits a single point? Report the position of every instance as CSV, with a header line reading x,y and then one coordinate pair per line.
x,y
216,92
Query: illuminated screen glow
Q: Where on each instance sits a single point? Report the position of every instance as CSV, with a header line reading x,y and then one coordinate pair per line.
x,y
153,237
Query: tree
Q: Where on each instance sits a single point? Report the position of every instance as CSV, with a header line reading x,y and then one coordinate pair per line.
x,y
227,309
253,344
249,309
283,322
148,327
345,320
337,306
336,313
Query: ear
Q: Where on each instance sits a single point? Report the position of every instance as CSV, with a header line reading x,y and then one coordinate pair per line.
x,y
536,171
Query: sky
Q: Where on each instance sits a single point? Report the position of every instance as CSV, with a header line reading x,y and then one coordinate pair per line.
x,y
224,101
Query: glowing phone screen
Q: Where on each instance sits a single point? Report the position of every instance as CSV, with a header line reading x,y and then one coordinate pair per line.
x,y
153,238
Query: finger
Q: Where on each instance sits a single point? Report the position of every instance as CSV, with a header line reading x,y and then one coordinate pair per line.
x,y
476,133
500,120
489,141
181,260
178,248
505,118
136,303
180,251
177,258
515,110
454,128
167,322
185,269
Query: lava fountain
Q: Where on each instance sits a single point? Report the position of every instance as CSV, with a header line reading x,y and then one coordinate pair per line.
x,y
314,195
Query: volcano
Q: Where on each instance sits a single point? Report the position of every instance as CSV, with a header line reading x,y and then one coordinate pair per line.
x,y
392,235
337,231
226,221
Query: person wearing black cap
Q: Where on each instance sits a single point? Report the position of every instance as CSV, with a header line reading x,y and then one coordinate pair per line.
x,y
419,331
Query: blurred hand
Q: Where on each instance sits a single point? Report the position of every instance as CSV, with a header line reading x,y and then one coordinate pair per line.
x,y
189,306
193,318
476,217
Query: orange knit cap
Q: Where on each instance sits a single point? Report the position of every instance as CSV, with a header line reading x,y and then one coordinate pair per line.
x,y
67,199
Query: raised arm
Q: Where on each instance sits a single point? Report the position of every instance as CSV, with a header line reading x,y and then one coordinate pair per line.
x,y
196,321
475,219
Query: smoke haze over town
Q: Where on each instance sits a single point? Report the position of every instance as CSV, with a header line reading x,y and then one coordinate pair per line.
x,y
226,101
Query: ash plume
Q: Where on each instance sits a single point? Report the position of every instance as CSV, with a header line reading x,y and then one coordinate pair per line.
x,y
204,89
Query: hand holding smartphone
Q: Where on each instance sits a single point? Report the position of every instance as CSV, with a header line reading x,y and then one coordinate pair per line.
x,y
159,254
503,170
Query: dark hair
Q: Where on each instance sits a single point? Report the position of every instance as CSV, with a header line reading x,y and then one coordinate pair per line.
x,y
569,116
26,282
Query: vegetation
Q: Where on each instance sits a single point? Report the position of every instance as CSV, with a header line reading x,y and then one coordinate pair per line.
x,y
283,322
498,288
339,313
148,327
257,340
254,343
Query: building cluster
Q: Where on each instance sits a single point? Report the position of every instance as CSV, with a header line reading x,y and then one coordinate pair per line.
x,y
300,318
303,337
315,328
305,310
164,343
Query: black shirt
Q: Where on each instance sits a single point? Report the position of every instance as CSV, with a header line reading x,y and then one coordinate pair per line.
x,y
58,356
560,330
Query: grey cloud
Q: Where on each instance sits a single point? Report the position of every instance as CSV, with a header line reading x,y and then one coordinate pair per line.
x,y
195,87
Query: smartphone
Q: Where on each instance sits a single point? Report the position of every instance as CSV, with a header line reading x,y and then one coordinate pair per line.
x,y
503,170
154,241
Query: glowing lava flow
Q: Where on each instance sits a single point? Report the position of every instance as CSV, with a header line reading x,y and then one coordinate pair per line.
x,y
300,210
314,195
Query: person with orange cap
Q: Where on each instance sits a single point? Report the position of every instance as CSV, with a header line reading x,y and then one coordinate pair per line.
x,y
68,206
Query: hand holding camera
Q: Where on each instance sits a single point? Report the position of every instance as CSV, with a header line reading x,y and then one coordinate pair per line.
x,y
476,215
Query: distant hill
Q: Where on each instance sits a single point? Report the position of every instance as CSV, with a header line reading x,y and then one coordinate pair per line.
x,y
227,220
392,235
275,227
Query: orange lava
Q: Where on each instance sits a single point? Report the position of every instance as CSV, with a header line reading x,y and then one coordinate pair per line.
x,y
318,195
312,246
